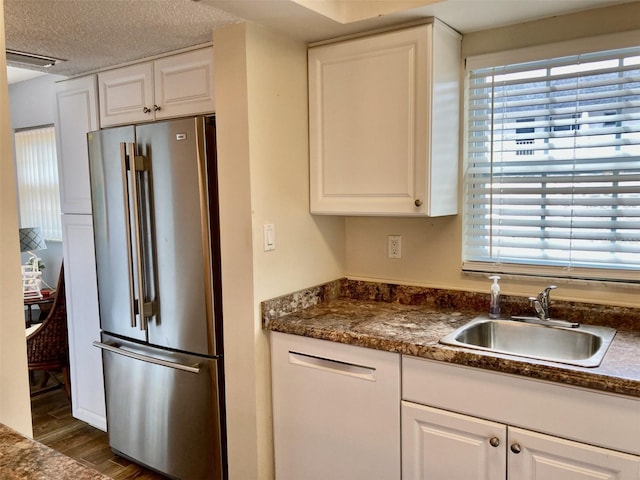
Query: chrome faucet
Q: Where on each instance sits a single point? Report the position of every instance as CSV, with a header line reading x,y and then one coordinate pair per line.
x,y
541,305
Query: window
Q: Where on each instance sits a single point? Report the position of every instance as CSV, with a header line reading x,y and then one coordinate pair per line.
x,y
37,171
522,137
552,181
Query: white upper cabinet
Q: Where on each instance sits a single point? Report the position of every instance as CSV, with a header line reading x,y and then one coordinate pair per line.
x,y
77,114
383,119
173,86
126,95
184,84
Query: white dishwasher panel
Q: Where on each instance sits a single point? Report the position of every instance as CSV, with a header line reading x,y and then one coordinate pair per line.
x,y
336,410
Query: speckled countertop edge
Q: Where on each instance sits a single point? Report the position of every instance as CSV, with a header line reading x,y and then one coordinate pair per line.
x,y
411,321
22,458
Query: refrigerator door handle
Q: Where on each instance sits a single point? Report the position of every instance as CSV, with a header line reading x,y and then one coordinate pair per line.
x,y
136,163
127,212
145,358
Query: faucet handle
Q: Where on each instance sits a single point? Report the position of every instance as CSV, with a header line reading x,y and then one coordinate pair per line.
x,y
543,296
537,306
543,302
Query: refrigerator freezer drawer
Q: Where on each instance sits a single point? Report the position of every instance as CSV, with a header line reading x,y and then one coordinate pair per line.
x,y
163,409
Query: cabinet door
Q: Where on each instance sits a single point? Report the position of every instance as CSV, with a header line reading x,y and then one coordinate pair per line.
x,y
437,444
184,84
368,124
126,95
542,457
335,410
76,114
383,123
87,387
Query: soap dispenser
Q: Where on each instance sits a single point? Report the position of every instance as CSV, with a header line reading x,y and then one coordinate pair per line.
x,y
494,307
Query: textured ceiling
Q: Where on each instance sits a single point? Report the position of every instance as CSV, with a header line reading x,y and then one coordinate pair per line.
x,y
93,34
96,34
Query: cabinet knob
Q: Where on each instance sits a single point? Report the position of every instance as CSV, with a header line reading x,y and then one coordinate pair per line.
x,y
146,110
418,202
515,448
156,108
494,441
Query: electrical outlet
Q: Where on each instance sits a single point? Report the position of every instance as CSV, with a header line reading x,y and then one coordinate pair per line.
x,y
394,246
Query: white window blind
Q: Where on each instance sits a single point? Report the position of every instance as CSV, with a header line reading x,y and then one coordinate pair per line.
x,y
552,183
37,171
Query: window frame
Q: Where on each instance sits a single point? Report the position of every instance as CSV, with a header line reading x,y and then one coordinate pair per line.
x,y
531,54
45,210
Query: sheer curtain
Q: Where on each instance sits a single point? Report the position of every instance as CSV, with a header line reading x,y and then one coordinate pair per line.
x,y
37,171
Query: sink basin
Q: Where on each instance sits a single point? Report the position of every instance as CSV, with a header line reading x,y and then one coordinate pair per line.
x,y
583,346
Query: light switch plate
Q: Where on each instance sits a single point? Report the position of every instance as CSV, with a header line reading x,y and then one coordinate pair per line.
x,y
269,237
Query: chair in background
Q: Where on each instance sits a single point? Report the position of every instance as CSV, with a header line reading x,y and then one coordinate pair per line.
x,y
48,344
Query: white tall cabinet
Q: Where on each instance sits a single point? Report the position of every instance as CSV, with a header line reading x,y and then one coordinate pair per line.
x,y
87,384
172,86
77,114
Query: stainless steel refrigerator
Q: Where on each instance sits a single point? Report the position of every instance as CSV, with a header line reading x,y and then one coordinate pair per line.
x,y
155,215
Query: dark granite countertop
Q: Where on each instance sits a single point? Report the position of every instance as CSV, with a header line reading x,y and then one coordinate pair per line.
x,y
415,329
24,459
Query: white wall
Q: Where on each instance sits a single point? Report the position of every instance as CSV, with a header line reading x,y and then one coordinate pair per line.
x,y
431,248
263,160
15,408
32,104
261,114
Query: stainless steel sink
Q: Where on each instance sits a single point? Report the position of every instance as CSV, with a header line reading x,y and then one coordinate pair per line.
x,y
584,346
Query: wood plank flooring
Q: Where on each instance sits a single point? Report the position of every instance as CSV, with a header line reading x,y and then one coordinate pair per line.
x,y
54,426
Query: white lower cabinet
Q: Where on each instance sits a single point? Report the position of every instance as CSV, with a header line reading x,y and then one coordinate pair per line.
x,y
438,444
534,456
335,410
461,423
339,413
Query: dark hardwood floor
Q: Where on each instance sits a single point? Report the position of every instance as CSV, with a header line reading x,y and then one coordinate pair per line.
x,y
54,426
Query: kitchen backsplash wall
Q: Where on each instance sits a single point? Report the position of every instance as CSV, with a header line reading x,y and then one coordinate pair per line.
x,y
617,317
